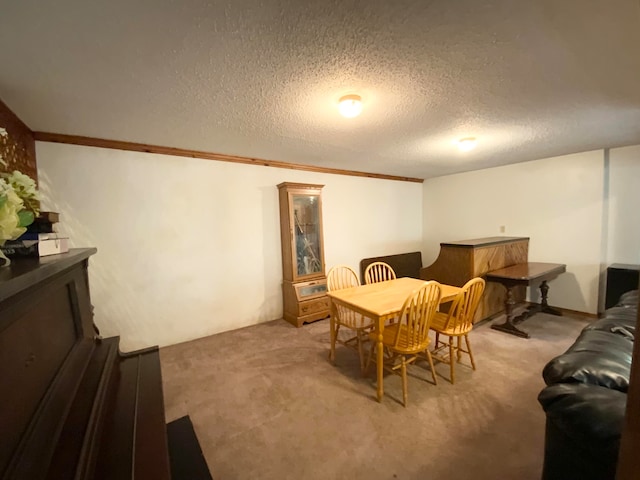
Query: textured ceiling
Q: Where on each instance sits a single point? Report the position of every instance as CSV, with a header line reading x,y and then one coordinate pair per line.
x,y
528,78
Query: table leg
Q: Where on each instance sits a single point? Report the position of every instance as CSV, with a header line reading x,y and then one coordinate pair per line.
x,y
544,305
332,330
508,326
380,359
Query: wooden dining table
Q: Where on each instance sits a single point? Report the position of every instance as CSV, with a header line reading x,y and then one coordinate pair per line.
x,y
380,302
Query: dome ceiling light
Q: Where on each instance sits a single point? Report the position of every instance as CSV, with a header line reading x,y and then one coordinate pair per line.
x,y
466,144
350,106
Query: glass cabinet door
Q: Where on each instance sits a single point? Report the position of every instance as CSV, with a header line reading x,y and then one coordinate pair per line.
x,y
306,233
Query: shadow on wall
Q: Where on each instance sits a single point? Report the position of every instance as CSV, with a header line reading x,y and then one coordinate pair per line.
x,y
100,275
112,317
570,289
78,234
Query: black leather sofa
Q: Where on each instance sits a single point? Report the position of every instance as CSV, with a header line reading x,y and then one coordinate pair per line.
x,y
586,397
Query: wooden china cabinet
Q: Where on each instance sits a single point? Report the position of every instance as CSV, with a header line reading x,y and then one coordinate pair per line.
x,y
304,286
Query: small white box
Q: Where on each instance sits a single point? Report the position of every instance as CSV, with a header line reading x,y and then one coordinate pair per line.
x,y
36,245
52,246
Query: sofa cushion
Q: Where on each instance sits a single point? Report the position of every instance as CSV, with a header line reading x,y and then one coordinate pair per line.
x,y
629,299
596,358
624,317
590,415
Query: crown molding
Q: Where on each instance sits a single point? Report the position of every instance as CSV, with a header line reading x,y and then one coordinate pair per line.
x,y
180,152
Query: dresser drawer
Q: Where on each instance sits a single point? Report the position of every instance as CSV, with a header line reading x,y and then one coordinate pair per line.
x,y
313,306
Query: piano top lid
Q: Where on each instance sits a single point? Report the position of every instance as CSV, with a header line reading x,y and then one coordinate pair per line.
x,y
482,242
27,271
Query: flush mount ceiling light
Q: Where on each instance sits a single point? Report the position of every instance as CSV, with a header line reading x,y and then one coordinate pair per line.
x,y
350,106
466,144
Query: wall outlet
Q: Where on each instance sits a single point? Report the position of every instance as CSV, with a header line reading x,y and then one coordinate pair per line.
x,y
503,229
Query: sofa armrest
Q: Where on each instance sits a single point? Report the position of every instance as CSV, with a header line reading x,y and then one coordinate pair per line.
x,y
596,358
616,317
583,428
629,299
589,414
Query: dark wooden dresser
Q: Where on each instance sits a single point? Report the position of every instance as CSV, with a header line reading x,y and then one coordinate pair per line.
x,y
71,405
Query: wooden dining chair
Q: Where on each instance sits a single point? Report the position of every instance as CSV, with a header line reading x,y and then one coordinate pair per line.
x,y
338,278
378,272
457,324
405,340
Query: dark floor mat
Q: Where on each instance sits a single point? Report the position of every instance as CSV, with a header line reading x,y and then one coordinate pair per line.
x,y
185,454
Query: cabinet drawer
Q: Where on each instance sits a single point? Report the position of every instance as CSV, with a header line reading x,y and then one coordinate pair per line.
x,y
313,306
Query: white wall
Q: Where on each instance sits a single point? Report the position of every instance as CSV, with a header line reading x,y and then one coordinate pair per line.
x,y
188,247
623,240
557,202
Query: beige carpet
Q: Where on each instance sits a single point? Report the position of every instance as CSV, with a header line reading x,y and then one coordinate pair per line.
x,y
266,404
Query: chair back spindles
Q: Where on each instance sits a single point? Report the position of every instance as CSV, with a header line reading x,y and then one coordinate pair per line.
x,y
464,306
473,293
416,315
456,325
378,272
340,277
405,340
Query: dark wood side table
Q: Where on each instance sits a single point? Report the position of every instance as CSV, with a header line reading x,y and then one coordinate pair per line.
x,y
525,274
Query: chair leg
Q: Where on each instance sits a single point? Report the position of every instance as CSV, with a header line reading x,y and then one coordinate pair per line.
x,y
366,369
473,363
451,362
334,337
433,369
459,352
437,339
403,368
360,352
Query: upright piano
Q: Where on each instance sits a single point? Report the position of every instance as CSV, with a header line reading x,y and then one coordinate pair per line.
x,y
460,261
72,406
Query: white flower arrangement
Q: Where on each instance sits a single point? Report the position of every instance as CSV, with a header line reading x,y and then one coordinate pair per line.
x,y
18,199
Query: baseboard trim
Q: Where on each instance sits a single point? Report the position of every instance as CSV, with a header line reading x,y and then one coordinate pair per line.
x,y
522,306
575,313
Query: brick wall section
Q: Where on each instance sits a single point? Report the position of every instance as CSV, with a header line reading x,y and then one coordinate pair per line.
x,y
19,149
